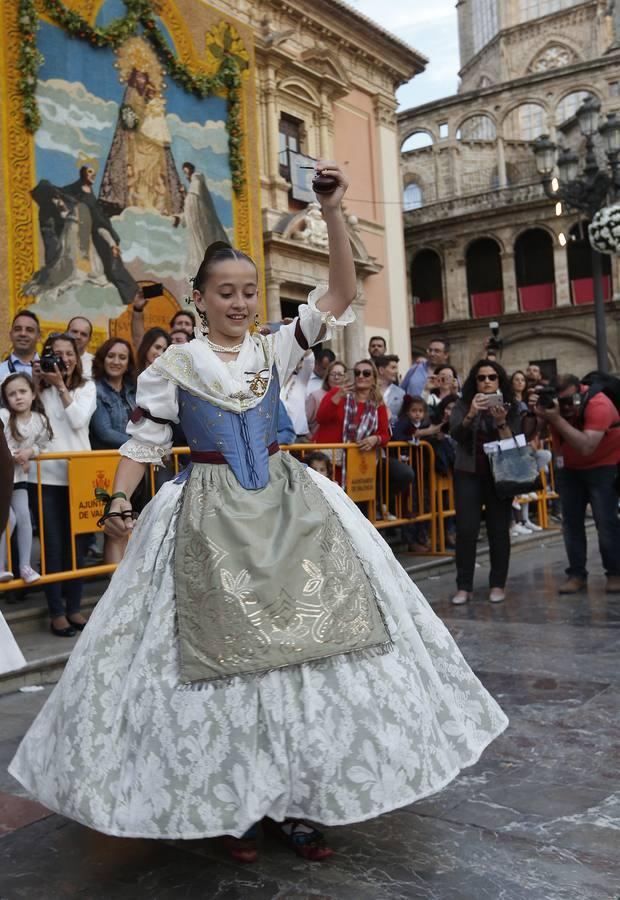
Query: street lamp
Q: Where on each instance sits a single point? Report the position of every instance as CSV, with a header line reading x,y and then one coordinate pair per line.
x,y
586,192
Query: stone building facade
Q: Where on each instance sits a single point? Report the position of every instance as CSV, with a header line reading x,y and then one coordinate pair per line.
x,y
326,82
483,242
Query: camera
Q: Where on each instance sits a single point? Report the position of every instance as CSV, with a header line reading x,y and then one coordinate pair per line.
x,y
494,342
548,394
49,360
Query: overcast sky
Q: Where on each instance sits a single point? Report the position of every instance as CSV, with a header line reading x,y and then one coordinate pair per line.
x,y
430,27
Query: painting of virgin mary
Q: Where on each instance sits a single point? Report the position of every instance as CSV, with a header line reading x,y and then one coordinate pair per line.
x,y
140,170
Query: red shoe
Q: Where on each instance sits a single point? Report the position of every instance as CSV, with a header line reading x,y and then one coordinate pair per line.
x,y
243,850
304,839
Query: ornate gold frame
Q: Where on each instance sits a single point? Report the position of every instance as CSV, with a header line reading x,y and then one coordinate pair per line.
x,y
188,21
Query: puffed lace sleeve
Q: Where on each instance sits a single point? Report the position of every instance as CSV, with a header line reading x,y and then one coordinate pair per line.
x,y
311,326
150,428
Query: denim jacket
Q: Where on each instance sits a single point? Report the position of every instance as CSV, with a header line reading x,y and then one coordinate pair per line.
x,y
109,421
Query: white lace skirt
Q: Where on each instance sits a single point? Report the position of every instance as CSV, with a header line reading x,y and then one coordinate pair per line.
x,y
123,747
11,656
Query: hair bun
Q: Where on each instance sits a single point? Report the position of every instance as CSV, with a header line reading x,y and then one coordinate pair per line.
x,y
215,247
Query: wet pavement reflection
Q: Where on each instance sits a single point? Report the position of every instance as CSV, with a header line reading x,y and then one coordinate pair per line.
x,y
538,818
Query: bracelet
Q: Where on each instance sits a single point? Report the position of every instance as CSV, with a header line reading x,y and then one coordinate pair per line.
x,y
106,498
125,514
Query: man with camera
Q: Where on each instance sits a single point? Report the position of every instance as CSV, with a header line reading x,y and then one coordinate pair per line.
x,y
586,440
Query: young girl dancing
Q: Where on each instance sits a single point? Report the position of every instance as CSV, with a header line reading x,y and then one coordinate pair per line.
x,y
28,432
259,654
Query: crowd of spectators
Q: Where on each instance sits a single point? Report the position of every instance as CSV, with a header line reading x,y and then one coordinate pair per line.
x,y
85,401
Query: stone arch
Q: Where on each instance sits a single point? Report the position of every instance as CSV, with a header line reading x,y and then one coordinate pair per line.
x,y
535,268
413,133
485,234
579,264
482,121
426,273
301,90
483,268
515,129
577,91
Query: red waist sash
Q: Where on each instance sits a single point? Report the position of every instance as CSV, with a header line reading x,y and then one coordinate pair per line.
x,y
213,456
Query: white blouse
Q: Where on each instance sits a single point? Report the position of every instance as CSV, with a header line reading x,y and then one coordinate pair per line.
x,y
70,427
196,368
35,437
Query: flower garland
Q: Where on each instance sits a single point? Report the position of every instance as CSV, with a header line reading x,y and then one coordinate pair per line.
x,y
142,13
604,230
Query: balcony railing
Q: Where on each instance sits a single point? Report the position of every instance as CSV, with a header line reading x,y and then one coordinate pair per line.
x,y
474,203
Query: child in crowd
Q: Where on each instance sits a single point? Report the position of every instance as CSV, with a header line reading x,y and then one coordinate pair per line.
x,y
413,425
28,432
413,416
320,462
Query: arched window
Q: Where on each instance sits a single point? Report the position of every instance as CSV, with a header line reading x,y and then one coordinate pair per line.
x,y
484,278
412,197
477,128
535,270
417,141
579,258
427,287
568,106
525,123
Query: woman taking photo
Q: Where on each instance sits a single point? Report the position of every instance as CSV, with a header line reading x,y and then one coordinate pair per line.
x,y
486,412
446,384
69,402
354,413
334,377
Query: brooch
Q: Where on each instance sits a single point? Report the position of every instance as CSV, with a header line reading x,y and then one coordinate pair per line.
x,y
258,384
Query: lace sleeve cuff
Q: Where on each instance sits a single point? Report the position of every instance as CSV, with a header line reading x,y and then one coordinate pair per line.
x,y
143,453
325,318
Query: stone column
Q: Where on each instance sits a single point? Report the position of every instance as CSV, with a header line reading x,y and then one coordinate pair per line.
x,y
509,281
274,308
456,300
562,281
271,115
325,116
355,334
393,241
501,164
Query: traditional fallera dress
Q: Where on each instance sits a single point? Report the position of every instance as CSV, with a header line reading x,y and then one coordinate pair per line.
x,y
259,651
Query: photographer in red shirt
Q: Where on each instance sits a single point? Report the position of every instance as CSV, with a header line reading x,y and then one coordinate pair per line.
x,y
587,448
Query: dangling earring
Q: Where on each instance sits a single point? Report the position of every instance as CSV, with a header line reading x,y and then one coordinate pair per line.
x,y
204,322
256,326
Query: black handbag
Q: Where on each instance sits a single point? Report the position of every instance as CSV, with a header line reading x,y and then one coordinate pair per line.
x,y
515,471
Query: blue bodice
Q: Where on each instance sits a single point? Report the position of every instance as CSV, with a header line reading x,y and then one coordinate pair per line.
x,y
242,438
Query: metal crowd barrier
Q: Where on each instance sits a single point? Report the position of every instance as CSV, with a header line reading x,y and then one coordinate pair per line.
x,y
429,499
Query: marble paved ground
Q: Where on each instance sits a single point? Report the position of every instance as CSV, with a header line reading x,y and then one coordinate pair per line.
x,y
538,818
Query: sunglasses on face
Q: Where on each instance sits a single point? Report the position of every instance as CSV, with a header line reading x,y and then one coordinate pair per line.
x,y
362,373
487,377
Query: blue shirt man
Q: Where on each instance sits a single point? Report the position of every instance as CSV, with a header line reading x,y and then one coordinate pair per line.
x,y
438,354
